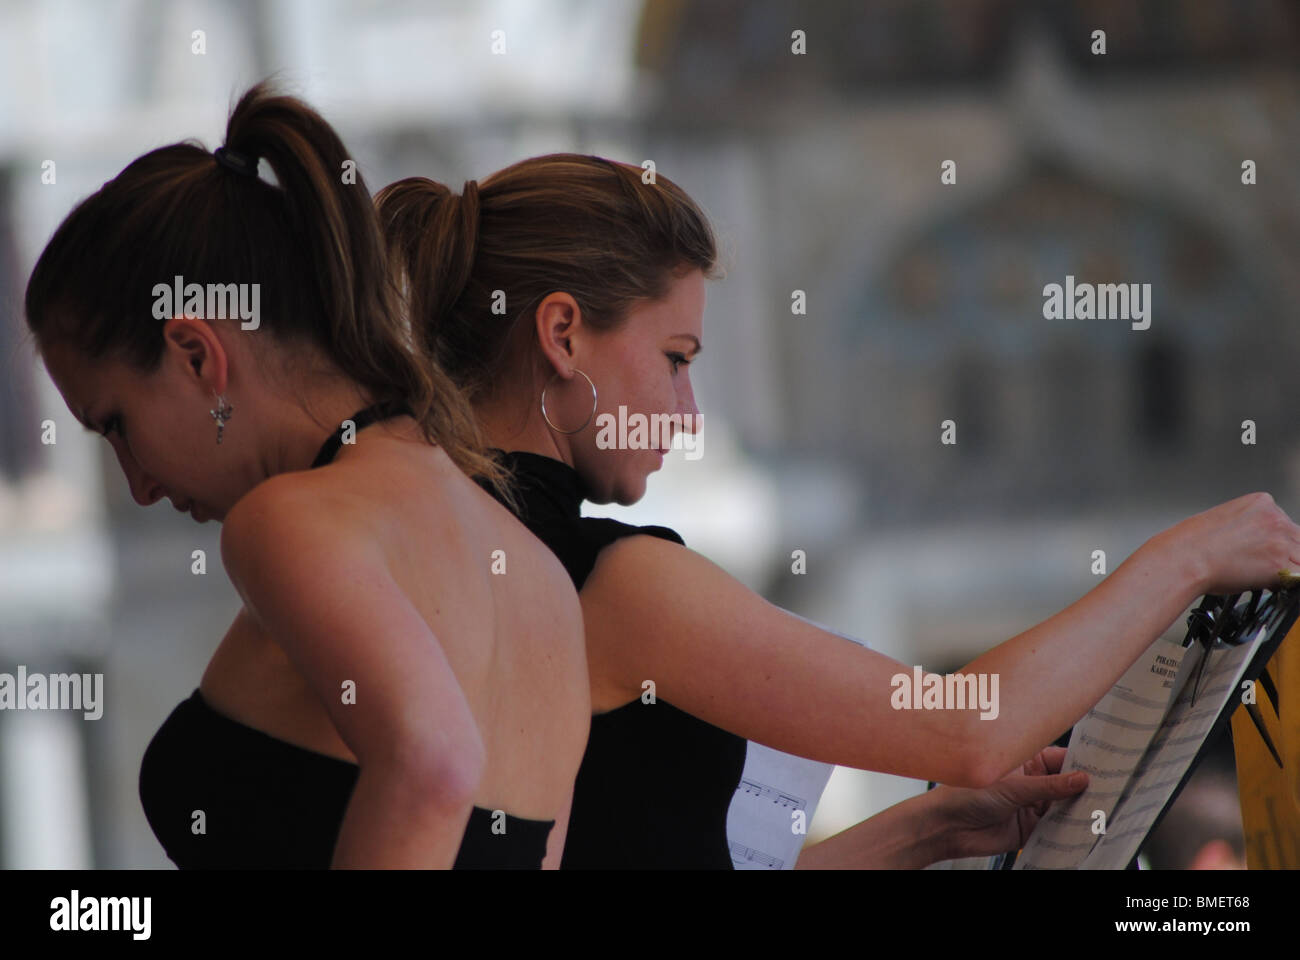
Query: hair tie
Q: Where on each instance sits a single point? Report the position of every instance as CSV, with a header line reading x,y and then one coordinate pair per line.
x,y
238,162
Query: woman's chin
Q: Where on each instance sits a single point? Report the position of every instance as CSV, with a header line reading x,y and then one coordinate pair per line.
x,y
626,484
633,491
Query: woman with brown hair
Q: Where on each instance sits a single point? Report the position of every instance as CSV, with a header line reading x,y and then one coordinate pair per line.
x,y
384,698
566,292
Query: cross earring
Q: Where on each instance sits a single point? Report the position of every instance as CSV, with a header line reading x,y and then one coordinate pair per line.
x,y
221,415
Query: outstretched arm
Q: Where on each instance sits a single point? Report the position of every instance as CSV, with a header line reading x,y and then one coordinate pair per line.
x,y
654,610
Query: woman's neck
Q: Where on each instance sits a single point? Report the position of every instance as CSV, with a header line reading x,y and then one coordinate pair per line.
x,y
307,423
512,424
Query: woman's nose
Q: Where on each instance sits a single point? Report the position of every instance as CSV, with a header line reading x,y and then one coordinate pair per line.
x,y
689,411
146,495
144,489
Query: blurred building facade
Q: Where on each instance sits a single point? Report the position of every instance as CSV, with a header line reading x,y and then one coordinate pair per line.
x,y
822,172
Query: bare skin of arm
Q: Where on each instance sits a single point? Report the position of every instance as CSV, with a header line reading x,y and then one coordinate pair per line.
x,y
555,842
948,823
654,610
322,590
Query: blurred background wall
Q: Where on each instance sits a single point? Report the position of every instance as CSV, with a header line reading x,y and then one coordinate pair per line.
x,y
822,174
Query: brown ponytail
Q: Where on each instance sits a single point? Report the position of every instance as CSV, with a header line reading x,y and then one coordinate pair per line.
x,y
433,235
311,242
582,224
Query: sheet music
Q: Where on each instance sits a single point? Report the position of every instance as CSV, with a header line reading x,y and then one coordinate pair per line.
x,y
1136,745
1171,753
774,784
760,821
1106,744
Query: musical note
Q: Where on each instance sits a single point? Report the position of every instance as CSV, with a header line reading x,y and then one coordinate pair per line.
x,y
764,821
776,799
743,854
766,792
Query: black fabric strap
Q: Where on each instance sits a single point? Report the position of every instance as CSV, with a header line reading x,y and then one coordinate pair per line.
x,y
360,419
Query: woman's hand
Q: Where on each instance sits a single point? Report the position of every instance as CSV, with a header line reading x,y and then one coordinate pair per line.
x,y
1244,543
1000,818
950,822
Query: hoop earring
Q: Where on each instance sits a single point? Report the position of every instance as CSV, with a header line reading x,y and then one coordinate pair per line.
x,y
221,415
589,416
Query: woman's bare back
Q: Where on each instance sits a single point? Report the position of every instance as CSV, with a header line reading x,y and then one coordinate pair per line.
x,y
499,603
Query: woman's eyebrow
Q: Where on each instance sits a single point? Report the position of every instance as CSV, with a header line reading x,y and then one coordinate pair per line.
x,y
696,340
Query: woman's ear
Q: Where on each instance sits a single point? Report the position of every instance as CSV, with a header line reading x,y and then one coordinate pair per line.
x,y
559,324
193,346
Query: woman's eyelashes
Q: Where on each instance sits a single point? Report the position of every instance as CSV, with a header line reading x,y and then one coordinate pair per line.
x,y
678,360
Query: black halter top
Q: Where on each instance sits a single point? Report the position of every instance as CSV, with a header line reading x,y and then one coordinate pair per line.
x,y
270,804
655,782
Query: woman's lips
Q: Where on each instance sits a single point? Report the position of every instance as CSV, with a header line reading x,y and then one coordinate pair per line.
x,y
187,507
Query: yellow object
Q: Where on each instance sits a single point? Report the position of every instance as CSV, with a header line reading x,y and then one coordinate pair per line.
x,y
1270,795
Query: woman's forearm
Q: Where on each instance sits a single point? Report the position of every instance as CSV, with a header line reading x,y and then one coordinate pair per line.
x,y
907,836
396,821
723,654
1049,676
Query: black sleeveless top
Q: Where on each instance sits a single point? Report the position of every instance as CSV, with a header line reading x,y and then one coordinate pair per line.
x,y
270,804
655,782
